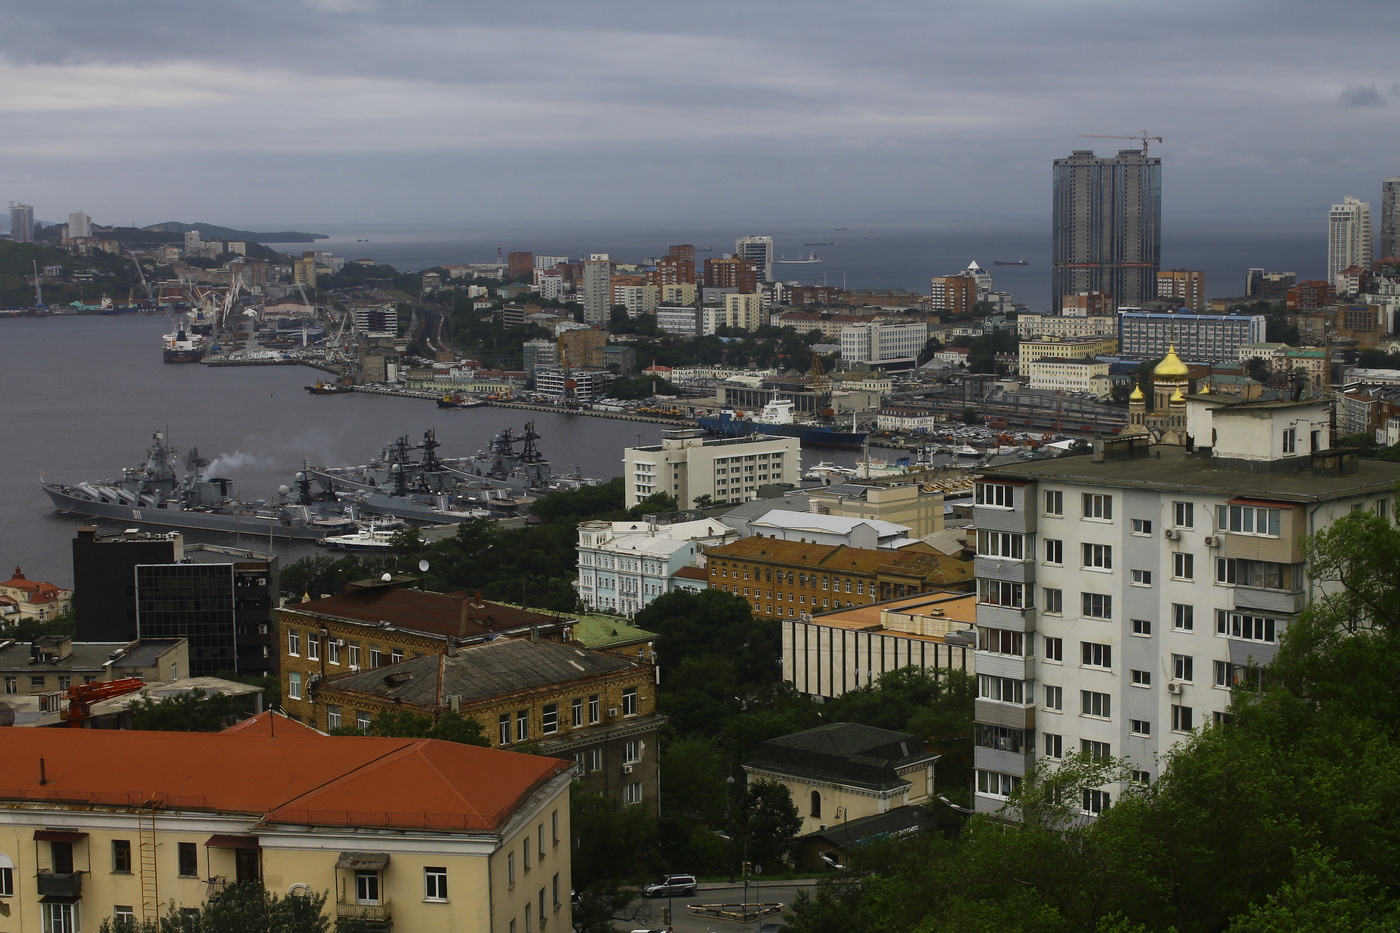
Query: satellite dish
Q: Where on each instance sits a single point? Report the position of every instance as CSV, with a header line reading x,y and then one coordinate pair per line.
x,y
423,566
386,578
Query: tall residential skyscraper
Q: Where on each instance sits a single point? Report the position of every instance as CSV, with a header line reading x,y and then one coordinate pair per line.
x,y
1108,226
1390,218
597,288
79,226
1349,240
759,251
21,223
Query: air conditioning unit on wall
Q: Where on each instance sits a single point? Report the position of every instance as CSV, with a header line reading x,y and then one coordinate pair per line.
x,y
1174,688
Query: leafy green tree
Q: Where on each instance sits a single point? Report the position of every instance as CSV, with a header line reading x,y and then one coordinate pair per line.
x,y
195,711
764,822
246,907
450,726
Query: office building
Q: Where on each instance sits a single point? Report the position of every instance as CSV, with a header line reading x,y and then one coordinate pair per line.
x,y
891,346
683,320
623,566
1201,338
1348,238
597,289
759,251
1121,595
1061,326
1107,226
21,222
1390,218
1269,286
1185,288
688,465
407,834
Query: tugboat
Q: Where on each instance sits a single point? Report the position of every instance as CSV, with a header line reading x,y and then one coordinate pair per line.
x,y
329,388
458,400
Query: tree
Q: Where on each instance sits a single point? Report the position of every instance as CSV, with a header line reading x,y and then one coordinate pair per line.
x,y
764,822
245,907
706,501
195,711
449,726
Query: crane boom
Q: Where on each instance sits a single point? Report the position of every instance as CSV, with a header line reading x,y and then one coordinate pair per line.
x,y
1141,136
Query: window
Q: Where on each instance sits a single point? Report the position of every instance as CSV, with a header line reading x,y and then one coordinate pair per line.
x,y
593,711
1054,502
294,642
361,720
1264,574
124,912
354,654
121,856
313,646
816,804
1054,745
435,883
549,719
539,838
332,718
187,856
1181,719
631,793
64,682
576,711
996,784
1054,698
294,685
1054,600
1054,649
522,725
1139,727
554,825
38,680
1140,678
1142,578
554,890
1001,689
1095,801
1183,617
510,867
528,917
1142,526
1224,674
1097,557
1001,641
999,593
395,655
1054,551
996,495
1093,654
1290,441
1250,628
1142,627
60,918
12,685
629,701
376,657
1097,606
1184,514
994,544
1182,667
333,650
367,887
1248,520
1098,506
595,759
631,752
1095,704
525,854
1095,749
7,881
1183,566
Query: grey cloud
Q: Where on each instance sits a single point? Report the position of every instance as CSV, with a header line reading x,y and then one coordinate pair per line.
x,y
1364,96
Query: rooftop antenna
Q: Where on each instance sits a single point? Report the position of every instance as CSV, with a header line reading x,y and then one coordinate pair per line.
x,y
1142,136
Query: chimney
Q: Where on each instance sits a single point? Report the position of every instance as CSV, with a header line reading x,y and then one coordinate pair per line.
x,y
463,619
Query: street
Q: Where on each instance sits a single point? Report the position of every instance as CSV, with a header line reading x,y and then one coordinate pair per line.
x,y
647,914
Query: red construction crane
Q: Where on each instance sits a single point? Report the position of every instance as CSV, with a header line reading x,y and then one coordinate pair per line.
x,y
81,697
1142,136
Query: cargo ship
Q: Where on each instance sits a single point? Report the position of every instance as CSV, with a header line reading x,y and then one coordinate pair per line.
x,y
182,346
777,420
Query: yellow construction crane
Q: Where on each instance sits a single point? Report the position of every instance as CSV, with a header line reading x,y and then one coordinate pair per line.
x,y
1142,136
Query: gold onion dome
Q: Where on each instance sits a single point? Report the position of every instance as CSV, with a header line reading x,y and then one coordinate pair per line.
x,y
1177,398
1171,366
1137,395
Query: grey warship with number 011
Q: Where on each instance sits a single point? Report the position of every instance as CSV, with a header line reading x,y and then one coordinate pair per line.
x,y
153,493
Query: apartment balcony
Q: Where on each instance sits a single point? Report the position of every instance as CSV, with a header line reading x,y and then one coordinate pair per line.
x,y
1003,761
1016,667
54,884
1022,521
1007,617
1004,568
1010,715
1277,601
373,914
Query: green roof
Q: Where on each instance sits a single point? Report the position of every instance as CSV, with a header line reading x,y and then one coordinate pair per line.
x,y
600,632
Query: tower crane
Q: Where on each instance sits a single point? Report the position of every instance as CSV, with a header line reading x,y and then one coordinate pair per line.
x,y
1142,136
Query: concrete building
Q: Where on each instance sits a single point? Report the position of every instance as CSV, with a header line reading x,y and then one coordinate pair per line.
x,y
21,222
821,528
954,294
1058,374
683,320
889,345
587,384
759,251
597,288
79,226
1107,226
1390,219
1269,286
623,566
1185,288
539,354
906,501
690,466
1349,238
598,709
637,299
1201,338
1063,326
790,579
1120,594
1069,348
413,834
733,274
1087,304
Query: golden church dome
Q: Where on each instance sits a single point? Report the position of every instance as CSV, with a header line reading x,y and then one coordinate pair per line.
x,y
1171,368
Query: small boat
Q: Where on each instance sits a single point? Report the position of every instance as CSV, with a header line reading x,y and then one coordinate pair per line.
x,y
966,450
821,243
328,388
826,472
1023,261
458,400
375,536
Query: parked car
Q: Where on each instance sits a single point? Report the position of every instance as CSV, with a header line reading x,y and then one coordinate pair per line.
x,y
670,885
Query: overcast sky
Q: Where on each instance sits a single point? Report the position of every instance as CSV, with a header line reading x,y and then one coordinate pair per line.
x,y
297,112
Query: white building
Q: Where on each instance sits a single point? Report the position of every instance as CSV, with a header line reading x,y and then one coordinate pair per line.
x,y
820,528
638,299
79,226
1064,375
743,311
688,466
551,284
1060,326
1120,594
588,383
882,344
678,320
623,566
759,251
597,289
1348,237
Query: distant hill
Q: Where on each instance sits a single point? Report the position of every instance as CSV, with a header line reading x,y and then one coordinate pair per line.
x,y
215,232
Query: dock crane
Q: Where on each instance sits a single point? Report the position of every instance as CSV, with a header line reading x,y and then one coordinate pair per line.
x,y
1142,136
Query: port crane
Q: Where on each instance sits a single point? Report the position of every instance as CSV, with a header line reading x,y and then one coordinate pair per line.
x,y
1141,136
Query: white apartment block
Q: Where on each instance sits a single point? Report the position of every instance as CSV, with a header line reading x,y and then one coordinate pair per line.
x,y
688,465
1060,326
1063,375
623,566
744,311
551,284
588,383
881,344
1349,241
1121,594
637,299
678,320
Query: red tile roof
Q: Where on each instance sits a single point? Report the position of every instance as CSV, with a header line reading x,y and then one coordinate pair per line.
x,y
286,778
451,614
36,591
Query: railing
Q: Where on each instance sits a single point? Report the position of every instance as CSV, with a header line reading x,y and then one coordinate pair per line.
x,y
54,884
371,913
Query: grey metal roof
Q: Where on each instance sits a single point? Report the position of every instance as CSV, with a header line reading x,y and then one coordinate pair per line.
x,y
498,668
843,753
145,652
894,822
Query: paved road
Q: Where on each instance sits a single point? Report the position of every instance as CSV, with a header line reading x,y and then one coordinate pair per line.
x,y
647,912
